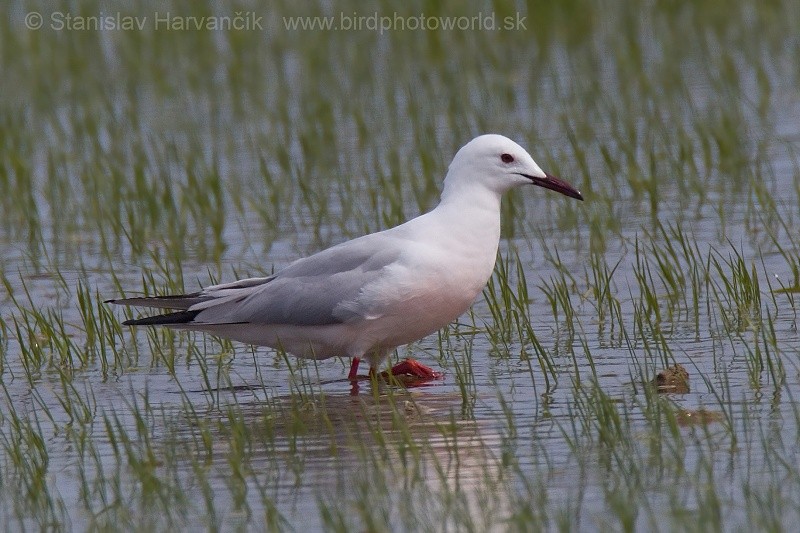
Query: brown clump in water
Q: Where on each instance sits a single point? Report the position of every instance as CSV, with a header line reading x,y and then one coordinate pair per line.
x,y
673,379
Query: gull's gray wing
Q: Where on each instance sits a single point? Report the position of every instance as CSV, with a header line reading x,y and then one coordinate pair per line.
x,y
317,290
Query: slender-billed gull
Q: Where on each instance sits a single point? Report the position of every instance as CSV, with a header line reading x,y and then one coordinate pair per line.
x,y
365,297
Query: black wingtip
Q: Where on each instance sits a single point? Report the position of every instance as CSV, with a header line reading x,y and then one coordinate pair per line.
x,y
181,317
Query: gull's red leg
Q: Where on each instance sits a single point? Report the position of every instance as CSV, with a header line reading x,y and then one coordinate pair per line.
x,y
353,375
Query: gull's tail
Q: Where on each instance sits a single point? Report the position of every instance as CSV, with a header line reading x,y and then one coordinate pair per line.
x,y
176,301
179,301
188,306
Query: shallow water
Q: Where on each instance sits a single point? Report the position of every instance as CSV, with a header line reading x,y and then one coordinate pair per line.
x,y
139,169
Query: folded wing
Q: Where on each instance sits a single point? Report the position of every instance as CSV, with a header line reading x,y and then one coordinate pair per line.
x,y
321,289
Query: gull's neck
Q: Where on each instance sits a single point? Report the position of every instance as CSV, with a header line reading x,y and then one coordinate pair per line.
x,y
471,212
469,193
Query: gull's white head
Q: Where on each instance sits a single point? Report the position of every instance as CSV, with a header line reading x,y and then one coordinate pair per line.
x,y
498,164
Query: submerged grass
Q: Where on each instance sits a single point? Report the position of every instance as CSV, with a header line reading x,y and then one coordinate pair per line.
x,y
154,161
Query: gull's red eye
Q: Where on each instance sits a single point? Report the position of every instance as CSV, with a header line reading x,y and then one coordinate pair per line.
x,y
507,158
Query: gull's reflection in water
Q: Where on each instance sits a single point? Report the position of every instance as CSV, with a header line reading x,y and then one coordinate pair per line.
x,y
411,453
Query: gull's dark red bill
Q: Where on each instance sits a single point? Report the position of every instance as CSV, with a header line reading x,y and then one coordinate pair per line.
x,y
555,184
